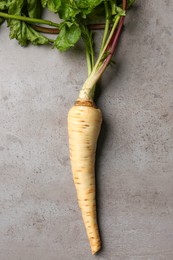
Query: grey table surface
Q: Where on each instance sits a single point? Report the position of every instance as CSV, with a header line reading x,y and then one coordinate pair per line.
x,y
39,215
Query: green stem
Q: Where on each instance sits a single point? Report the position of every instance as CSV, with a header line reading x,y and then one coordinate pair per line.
x,y
92,52
88,89
113,6
87,38
28,19
102,54
89,64
107,24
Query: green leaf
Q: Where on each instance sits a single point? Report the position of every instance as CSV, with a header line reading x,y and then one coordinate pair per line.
x,y
35,37
68,10
4,4
69,34
120,11
71,9
21,31
16,6
52,5
88,5
34,8
24,33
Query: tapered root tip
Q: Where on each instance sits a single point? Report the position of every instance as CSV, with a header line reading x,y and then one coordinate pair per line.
x,y
95,249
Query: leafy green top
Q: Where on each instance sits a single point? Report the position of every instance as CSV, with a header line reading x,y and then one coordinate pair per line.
x,y
74,14
75,17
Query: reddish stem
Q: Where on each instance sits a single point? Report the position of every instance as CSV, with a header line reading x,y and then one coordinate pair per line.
x,y
113,41
47,30
99,26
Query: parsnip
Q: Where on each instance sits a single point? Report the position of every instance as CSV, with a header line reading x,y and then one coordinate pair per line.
x,y
84,119
84,124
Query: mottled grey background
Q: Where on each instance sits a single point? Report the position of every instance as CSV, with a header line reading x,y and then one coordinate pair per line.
x,y
39,216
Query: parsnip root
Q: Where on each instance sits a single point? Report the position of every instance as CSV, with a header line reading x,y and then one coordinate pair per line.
x,y
84,124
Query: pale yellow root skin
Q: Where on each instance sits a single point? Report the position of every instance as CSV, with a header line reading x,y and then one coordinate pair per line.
x,y
84,127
